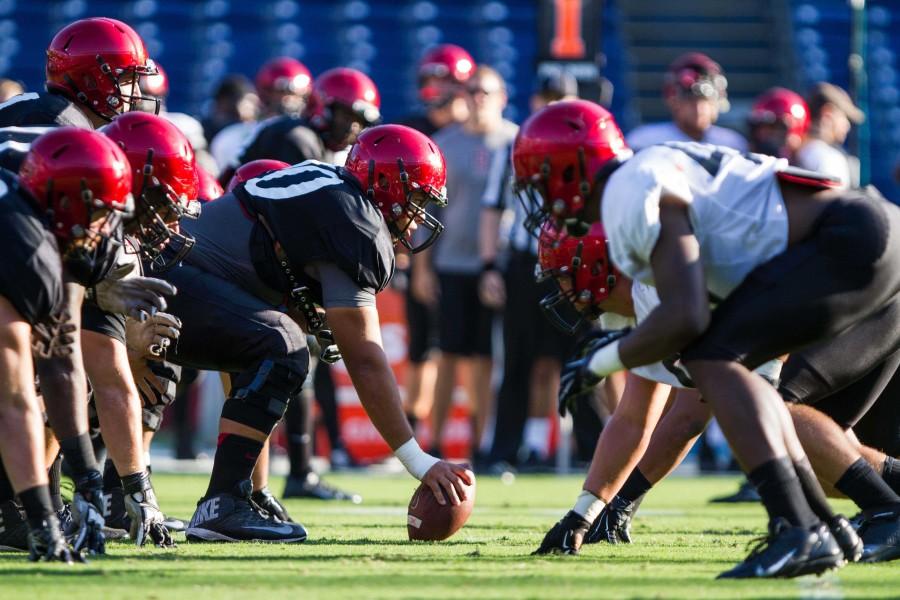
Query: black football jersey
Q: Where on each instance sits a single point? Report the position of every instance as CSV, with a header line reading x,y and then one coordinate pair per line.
x,y
318,213
44,108
31,269
15,143
288,139
420,122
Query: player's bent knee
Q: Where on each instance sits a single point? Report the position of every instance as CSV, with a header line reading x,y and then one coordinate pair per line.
x,y
260,397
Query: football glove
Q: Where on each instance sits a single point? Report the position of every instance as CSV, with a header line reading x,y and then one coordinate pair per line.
x,y
330,352
150,338
87,514
613,524
566,536
576,380
147,520
47,543
136,297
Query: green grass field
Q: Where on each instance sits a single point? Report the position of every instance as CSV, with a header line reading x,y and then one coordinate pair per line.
x,y
681,543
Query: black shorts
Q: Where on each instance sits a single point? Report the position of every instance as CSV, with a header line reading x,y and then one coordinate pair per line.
x,y
94,318
844,376
422,327
880,427
226,328
848,269
465,324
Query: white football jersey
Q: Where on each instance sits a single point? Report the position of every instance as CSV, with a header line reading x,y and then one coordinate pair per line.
x,y
734,203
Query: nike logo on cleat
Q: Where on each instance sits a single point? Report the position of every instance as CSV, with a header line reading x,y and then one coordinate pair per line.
x,y
279,529
776,566
206,511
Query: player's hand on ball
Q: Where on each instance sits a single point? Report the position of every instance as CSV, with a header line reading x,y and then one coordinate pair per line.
x,y
451,478
566,536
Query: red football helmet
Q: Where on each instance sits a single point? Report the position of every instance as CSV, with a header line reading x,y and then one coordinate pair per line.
x,y
165,178
90,59
283,84
402,170
560,154
581,268
209,188
72,174
347,88
696,74
782,108
449,63
253,169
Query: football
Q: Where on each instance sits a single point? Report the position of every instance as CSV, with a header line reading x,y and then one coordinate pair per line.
x,y
427,520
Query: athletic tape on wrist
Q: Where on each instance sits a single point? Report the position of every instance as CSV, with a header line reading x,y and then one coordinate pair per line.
x,y
606,360
416,460
588,506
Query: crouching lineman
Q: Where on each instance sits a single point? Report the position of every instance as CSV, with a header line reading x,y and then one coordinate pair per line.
x,y
70,197
581,266
786,261
265,256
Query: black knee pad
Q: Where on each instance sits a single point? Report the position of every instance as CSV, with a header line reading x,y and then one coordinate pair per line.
x,y
260,398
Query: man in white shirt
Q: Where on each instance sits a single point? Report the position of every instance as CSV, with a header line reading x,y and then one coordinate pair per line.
x,y
695,90
785,262
833,114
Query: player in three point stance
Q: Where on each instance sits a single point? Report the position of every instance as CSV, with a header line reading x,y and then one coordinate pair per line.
x,y
785,261
69,199
265,257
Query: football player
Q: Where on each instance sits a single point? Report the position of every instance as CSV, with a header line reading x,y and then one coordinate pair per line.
x,y
70,197
93,71
583,270
781,248
265,256
778,122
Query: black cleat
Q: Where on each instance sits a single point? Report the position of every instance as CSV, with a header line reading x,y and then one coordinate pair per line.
x,y
846,538
311,486
266,500
789,551
745,493
234,517
174,524
13,528
880,533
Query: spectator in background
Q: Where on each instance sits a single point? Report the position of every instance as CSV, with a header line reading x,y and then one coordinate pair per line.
x,y
442,74
283,86
9,88
156,87
695,91
777,123
833,114
234,101
448,273
533,350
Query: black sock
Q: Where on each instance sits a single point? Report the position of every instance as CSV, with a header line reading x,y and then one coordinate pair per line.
x,y
235,458
110,476
813,491
6,489
635,486
54,476
891,473
299,439
78,452
862,484
781,492
36,502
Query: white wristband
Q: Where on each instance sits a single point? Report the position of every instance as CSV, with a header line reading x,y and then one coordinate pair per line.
x,y
588,506
416,460
606,360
